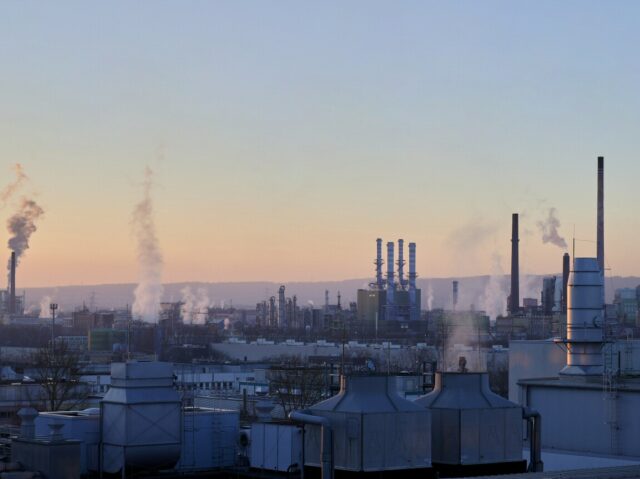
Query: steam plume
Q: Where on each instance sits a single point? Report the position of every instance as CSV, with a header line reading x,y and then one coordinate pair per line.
x,y
45,312
12,187
148,292
549,229
494,299
22,225
195,306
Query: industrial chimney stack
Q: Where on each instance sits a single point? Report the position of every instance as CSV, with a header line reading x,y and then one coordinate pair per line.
x,y
390,283
600,239
401,281
378,263
565,280
282,312
12,284
514,297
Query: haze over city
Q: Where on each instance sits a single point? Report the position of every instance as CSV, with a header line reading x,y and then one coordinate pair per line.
x,y
284,138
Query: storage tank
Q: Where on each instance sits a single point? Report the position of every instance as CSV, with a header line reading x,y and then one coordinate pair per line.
x,y
473,430
141,418
374,429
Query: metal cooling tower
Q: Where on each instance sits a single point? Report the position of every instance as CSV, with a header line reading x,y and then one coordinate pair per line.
x,y
472,428
374,429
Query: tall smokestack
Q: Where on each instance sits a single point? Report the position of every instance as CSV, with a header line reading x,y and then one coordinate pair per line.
x,y
413,302
282,314
378,263
514,297
391,286
12,284
600,248
565,280
401,280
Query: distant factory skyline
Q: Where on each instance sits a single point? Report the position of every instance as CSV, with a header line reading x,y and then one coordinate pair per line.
x,y
285,138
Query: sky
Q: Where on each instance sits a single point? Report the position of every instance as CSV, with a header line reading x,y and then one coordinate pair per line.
x,y
286,136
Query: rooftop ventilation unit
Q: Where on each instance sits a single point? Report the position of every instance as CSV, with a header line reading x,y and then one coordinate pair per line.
x,y
141,418
473,430
374,429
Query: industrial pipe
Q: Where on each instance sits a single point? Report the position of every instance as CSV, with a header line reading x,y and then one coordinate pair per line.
x,y
378,263
401,280
12,284
326,441
534,426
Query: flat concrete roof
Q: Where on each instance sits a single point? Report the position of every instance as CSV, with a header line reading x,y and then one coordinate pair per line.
x,y
618,472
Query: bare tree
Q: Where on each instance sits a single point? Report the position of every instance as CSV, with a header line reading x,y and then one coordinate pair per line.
x,y
57,372
296,385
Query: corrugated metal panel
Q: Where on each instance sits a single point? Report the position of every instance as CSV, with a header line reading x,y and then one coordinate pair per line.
x,y
470,424
275,447
141,417
374,428
209,439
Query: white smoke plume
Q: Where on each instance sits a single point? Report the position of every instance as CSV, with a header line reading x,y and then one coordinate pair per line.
x,y
148,292
429,296
45,312
195,305
22,225
11,188
494,300
530,286
549,229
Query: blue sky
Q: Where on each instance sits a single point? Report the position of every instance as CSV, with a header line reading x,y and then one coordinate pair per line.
x,y
287,136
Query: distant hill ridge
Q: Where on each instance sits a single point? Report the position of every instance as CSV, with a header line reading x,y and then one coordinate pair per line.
x,y
247,294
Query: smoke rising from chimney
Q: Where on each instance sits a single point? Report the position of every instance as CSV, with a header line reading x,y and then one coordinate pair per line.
x,y
45,312
195,307
494,298
12,187
549,229
22,225
148,292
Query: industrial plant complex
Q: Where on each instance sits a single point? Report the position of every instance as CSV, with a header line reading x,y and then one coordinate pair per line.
x,y
379,387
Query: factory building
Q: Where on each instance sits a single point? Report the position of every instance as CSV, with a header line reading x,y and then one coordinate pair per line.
x,y
390,299
589,401
280,312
